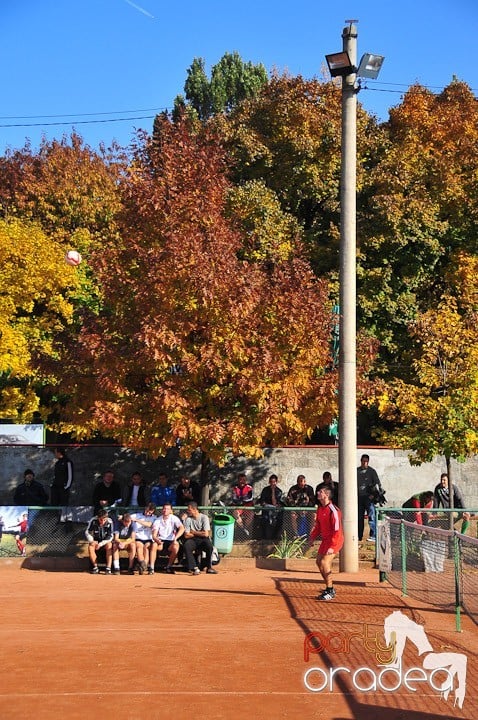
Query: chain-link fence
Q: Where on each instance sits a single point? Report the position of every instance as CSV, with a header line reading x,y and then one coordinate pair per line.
x,y
436,565
60,532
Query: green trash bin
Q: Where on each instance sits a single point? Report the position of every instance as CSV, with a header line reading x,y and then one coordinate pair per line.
x,y
223,533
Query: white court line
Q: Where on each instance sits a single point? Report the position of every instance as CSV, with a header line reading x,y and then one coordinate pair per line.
x,y
193,693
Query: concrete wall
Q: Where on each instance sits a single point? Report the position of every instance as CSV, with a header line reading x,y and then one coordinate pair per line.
x,y
398,477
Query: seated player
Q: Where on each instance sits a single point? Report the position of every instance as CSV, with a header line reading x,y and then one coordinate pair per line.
x,y
167,530
197,531
143,523
124,539
99,534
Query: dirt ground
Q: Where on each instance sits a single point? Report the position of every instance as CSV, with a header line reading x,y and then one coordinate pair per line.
x,y
75,645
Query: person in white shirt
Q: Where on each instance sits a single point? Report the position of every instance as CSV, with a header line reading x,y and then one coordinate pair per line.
x,y
143,523
167,529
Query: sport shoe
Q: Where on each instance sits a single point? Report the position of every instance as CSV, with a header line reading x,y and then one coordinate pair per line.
x,y
116,571
211,571
327,594
195,571
141,567
131,571
107,571
94,570
170,570
150,571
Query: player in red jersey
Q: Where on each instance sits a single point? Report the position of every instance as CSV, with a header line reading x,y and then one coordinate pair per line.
x,y
328,526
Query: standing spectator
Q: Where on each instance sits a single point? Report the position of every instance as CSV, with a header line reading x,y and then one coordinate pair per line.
x,y
368,484
99,534
442,494
124,539
271,516
167,529
30,492
188,491
328,525
162,493
242,494
300,495
328,482
197,531
135,493
441,498
60,489
420,501
106,492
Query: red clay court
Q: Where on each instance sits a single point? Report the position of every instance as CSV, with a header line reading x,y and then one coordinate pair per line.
x,y
75,645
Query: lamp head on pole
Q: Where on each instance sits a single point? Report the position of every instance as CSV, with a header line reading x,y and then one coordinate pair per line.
x,y
340,64
370,66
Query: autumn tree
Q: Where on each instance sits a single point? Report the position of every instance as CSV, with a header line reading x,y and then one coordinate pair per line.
x,y
437,412
288,137
195,345
420,208
36,292
65,186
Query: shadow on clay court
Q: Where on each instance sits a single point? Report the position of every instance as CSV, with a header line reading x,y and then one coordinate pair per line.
x,y
352,613
212,589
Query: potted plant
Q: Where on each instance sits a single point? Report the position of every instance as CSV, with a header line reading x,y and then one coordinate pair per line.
x,y
285,549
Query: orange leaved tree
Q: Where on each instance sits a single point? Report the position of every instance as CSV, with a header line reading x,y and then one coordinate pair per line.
x,y
195,345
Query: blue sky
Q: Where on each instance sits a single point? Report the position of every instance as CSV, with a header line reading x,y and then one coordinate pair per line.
x,y
78,61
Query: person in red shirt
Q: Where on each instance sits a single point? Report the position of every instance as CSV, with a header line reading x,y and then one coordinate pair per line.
x,y
242,495
328,526
420,501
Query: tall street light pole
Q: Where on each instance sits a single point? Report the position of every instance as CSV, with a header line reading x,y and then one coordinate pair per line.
x,y
347,281
344,64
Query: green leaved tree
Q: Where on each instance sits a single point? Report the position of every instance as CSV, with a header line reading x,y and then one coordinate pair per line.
x,y
232,81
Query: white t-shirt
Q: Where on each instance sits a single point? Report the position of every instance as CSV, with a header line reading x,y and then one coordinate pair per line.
x,y
167,527
142,532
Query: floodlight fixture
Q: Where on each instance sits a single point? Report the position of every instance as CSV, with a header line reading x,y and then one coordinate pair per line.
x,y
370,66
340,64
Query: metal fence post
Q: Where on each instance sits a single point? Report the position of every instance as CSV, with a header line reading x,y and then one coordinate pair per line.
x,y
403,550
457,563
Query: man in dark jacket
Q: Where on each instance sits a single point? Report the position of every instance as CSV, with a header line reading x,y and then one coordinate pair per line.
x,y
301,495
368,486
106,492
63,470
135,493
442,494
271,517
188,491
30,492
60,489
99,533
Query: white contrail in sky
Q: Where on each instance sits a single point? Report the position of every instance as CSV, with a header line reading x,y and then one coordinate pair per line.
x,y
141,10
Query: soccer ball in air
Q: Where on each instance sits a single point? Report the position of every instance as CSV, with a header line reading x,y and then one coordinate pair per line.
x,y
73,258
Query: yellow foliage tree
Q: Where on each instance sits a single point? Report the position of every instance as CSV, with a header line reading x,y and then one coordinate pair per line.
x,y
437,412
35,284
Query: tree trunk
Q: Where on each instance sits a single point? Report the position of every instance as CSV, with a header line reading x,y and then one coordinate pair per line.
x,y
450,491
204,478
